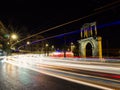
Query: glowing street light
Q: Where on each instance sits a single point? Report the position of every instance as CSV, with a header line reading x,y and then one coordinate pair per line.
x,y
72,46
46,45
28,43
14,37
47,49
52,46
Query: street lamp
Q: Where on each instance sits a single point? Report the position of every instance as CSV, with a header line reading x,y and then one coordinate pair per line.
x,y
14,36
28,43
72,46
12,39
46,45
52,48
47,49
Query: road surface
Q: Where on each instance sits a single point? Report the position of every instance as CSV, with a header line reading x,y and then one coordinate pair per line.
x,y
19,78
33,71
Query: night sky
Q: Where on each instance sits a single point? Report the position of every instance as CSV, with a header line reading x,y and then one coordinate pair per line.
x,y
32,16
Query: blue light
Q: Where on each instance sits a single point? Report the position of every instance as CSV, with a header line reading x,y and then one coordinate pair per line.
x,y
109,24
58,50
69,33
74,32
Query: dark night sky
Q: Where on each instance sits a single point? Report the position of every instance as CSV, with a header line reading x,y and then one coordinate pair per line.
x,y
37,16
31,14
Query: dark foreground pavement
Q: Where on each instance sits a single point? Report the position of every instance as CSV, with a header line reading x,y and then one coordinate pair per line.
x,y
19,78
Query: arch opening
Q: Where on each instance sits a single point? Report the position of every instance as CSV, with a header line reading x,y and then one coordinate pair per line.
x,y
88,50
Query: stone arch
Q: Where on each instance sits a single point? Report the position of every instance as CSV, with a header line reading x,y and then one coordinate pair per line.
x,y
94,46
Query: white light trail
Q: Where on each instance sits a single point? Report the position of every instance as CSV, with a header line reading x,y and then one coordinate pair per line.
x,y
62,76
37,59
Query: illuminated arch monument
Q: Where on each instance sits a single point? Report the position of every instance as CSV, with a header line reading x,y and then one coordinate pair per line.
x,y
90,44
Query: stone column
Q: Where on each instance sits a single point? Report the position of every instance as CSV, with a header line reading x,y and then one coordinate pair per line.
x,y
100,47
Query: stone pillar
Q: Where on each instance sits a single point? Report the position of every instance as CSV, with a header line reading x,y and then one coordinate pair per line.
x,y
100,47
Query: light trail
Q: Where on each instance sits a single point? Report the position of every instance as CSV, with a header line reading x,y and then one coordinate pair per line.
x,y
49,38
32,59
49,66
72,32
115,3
62,76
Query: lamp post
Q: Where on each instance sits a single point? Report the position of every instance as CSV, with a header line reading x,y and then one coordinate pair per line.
x,y
72,46
12,38
52,48
47,49
28,43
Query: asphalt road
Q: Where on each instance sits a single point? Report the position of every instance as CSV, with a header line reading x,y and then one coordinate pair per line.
x,y
19,78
